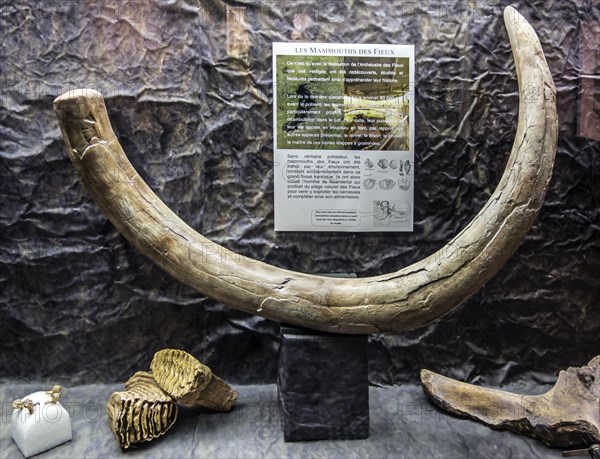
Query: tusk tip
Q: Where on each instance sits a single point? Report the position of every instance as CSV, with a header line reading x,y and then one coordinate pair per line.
x,y
71,96
512,16
83,120
427,377
424,374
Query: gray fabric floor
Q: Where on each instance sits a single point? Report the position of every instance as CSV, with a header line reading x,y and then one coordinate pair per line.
x,y
403,425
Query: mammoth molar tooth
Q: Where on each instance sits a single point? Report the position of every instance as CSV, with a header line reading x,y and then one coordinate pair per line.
x,y
190,382
142,412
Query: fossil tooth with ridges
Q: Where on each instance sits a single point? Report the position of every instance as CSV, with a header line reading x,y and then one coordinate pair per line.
x,y
142,412
190,382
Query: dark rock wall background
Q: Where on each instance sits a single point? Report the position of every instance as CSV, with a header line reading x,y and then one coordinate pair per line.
x,y
188,86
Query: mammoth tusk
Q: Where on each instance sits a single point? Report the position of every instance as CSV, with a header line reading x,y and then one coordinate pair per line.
x,y
402,300
566,415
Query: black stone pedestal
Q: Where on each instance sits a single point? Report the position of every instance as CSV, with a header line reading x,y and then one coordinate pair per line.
x,y
323,385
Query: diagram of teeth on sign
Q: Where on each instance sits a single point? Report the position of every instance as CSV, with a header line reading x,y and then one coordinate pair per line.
x,y
405,172
379,174
390,213
385,183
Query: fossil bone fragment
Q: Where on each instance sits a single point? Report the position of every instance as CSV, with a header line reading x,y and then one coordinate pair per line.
x,y
190,382
566,415
402,300
142,412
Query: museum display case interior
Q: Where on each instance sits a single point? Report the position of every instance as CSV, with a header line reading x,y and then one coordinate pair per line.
x,y
149,308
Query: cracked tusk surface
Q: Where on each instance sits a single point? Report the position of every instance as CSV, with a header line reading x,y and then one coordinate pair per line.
x,y
402,300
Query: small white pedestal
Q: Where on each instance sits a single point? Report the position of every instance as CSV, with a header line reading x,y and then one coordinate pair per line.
x,y
48,426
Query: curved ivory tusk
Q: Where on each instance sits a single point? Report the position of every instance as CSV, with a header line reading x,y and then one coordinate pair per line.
x,y
402,300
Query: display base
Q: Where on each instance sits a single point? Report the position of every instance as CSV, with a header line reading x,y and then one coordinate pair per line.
x,y
323,386
49,425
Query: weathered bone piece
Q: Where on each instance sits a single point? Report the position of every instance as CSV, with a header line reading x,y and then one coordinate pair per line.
x,y
142,413
566,415
190,382
406,299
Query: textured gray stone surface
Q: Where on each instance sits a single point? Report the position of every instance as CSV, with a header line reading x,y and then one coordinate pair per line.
x,y
193,111
403,425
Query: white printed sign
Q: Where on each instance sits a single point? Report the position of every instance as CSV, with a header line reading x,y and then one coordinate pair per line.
x,y
343,137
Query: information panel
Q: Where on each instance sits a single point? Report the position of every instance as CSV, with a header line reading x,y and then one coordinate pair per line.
x,y
344,137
